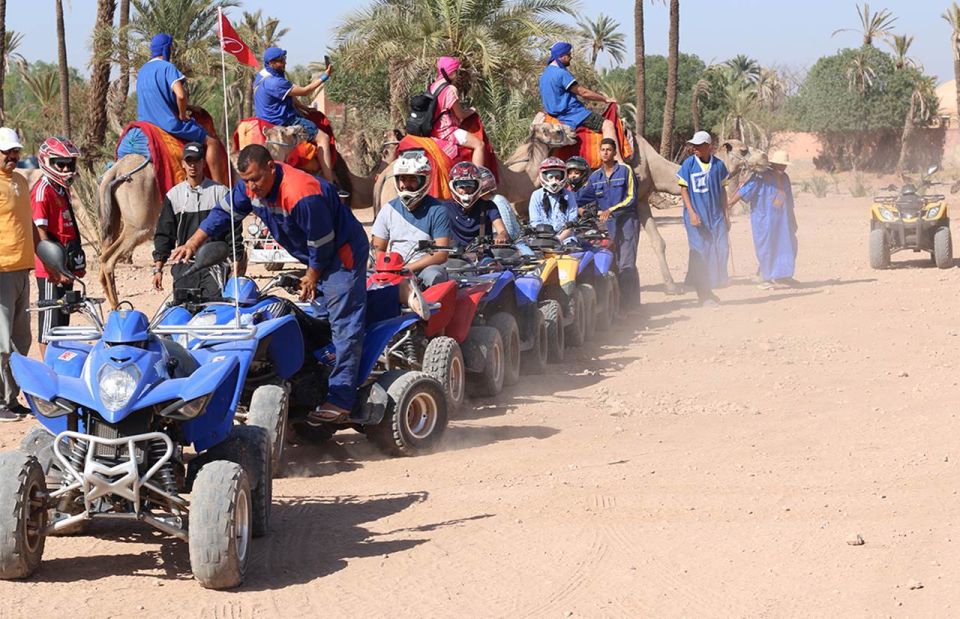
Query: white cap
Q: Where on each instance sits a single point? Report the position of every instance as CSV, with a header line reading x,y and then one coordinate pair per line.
x,y
780,157
9,139
700,137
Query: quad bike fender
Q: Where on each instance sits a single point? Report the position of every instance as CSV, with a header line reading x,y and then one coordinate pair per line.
x,y
67,358
446,295
603,261
502,280
548,269
585,261
376,338
285,347
468,300
568,267
528,289
372,404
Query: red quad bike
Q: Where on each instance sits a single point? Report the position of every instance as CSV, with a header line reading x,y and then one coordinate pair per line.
x,y
432,346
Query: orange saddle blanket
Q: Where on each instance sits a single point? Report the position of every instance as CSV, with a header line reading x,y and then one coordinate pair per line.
x,y
250,131
589,141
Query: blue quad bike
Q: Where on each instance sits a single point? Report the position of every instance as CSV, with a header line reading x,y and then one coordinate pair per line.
x,y
404,413
137,427
596,275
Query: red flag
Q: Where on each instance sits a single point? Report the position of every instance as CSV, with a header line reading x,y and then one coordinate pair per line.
x,y
231,43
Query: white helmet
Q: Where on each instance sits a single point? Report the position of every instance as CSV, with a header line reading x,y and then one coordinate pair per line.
x,y
412,163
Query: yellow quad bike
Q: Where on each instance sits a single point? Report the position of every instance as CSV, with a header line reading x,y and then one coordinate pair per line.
x,y
910,219
561,294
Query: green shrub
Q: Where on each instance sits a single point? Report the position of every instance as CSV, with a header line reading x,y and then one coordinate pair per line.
x,y
817,185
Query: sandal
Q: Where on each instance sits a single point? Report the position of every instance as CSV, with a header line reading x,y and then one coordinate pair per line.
x,y
321,415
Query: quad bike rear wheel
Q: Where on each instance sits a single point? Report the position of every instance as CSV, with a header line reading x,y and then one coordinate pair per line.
x,y
556,343
443,360
416,415
485,343
879,249
943,248
575,330
506,324
589,294
534,361
269,408
220,525
603,292
23,514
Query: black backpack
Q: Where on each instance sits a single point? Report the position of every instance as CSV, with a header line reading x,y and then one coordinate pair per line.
x,y
423,109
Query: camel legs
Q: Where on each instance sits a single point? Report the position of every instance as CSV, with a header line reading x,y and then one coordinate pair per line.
x,y
326,165
128,241
657,243
216,163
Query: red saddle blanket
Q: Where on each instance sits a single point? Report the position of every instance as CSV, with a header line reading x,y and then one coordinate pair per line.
x,y
441,163
165,150
250,131
588,145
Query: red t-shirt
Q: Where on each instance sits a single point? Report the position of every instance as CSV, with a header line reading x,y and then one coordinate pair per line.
x,y
50,209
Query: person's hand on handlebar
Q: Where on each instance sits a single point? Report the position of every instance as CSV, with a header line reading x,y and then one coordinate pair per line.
x,y
308,285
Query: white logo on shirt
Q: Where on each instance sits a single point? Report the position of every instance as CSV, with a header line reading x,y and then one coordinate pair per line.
x,y
699,181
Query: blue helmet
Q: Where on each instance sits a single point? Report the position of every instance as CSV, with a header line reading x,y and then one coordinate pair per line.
x,y
243,289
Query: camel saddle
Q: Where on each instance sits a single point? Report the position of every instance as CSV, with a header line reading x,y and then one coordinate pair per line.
x,y
303,156
163,149
441,163
588,145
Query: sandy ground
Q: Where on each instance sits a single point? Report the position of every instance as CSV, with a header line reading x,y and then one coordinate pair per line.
x,y
694,462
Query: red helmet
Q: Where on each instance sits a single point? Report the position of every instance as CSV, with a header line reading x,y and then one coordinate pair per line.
x,y
58,160
465,183
553,174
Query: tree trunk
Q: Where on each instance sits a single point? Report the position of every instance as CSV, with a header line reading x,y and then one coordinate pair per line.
x,y
639,59
695,107
64,71
96,129
124,80
907,133
956,72
593,56
673,63
3,55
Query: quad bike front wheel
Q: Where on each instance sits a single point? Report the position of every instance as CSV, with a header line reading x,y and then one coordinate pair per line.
x,y
506,324
443,360
484,343
589,294
576,329
416,415
23,514
249,447
220,525
943,248
553,317
879,249
534,361
38,442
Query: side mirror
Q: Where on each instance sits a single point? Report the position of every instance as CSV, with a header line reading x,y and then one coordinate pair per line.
x,y
209,254
52,255
932,170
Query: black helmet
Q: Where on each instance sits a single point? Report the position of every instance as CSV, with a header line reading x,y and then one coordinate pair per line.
x,y
580,164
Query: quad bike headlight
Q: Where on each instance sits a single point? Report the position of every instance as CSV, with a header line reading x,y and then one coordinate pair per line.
x,y
887,215
933,213
117,385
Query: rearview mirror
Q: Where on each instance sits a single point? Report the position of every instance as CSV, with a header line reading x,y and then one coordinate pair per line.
x,y
932,170
52,255
209,254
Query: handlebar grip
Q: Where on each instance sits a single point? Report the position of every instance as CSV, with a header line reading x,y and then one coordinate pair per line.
x,y
48,303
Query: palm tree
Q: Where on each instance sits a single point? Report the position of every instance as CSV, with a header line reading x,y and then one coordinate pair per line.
x,y
952,17
900,44
96,129
700,89
617,84
872,25
64,71
123,49
601,35
770,88
259,33
860,75
919,112
495,40
639,56
673,64
742,68
740,102
191,23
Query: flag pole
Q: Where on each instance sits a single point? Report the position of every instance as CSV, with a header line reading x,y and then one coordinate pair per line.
x,y
226,143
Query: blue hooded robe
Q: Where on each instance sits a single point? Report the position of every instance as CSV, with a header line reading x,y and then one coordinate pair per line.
x,y
773,222
707,268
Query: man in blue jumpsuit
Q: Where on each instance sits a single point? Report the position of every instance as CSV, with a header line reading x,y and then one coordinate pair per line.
x,y
305,215
613,186
162,100
702,179
275,101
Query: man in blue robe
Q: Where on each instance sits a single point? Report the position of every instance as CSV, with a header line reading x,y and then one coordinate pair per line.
x,y
772,220
162,100
613,187
702,178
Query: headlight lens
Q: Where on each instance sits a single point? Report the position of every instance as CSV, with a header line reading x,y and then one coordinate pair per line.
x,y
887,215
117,385
933,213
253,229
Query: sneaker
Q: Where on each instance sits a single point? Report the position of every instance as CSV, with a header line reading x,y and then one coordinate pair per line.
x,y
708,302
8,415
20,409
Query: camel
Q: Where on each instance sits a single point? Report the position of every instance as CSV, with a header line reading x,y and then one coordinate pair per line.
x,y
281,141
518,175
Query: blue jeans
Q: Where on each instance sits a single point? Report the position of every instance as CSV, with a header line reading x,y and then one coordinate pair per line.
x,y
309,127
343,293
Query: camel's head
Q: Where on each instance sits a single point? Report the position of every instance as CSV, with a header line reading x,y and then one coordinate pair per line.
x,y
734,155
553,135
391,140
282,140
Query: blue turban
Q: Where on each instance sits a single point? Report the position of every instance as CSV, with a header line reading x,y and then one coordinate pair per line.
x,y
160,45
273,53
560,48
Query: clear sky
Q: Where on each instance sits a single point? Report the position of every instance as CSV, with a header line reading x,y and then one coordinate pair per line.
x,y
793,34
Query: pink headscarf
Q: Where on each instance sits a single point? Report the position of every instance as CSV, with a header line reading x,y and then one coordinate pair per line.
x,y
448,64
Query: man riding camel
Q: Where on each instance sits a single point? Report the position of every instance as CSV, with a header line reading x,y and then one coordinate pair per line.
x,y
450,114
162,100
559,91
275,101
